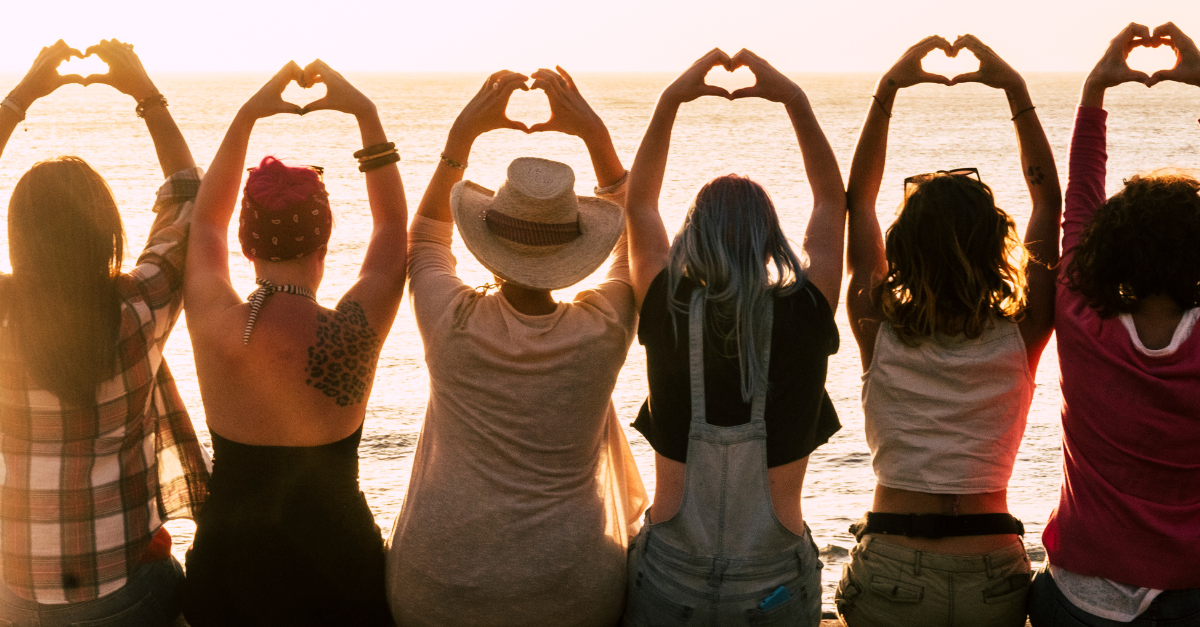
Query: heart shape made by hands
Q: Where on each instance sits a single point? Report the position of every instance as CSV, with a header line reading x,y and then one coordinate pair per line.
x,y
87,66
962,62
297,94
730,80
1147,58
528,105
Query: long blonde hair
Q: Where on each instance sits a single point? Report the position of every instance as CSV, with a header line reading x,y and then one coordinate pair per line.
x,y
66,244
954,260
728,240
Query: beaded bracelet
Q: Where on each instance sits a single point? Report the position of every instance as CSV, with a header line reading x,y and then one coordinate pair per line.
x,y
156,99
379,162
373,151
452,163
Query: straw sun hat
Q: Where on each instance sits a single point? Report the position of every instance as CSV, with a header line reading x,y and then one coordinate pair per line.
x,y
534,231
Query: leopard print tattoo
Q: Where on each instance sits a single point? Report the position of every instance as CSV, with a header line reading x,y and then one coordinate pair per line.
x,y
342,362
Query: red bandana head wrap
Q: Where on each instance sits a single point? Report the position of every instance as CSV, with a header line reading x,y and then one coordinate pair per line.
x,y
285,212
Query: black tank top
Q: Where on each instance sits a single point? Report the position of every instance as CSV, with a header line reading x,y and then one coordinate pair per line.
x,y
286,538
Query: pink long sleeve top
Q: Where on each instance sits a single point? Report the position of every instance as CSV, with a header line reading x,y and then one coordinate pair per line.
x,y
1129,508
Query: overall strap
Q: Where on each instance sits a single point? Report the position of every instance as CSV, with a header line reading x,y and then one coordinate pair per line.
x,y
758,404
696,353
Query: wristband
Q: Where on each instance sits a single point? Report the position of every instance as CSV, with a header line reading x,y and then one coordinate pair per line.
x,y
15,105
374,151
379,162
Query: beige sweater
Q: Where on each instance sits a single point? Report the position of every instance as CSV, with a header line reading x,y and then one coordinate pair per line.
x,y
524,491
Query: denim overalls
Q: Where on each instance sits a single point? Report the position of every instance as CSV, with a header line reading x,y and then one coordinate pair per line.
x,y
724,558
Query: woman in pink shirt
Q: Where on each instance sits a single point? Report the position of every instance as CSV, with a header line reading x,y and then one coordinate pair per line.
x,y
1123,544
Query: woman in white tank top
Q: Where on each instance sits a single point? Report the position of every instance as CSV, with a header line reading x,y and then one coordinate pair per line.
x,y
950,326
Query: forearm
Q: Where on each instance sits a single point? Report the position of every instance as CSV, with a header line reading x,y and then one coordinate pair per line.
x,y
605,161
8,123
650,163
385,190
435,203
218,194
1041,177
173,152
865,255
1087,169
820,163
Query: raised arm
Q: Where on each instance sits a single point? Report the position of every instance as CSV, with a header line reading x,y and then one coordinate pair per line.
x,y
570,113
1086,164
126,75
648,241
824,239
41,80
380,284
484,113
1041,178
207,286
866,259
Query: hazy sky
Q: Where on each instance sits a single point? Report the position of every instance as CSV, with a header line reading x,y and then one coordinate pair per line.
x,y
618,35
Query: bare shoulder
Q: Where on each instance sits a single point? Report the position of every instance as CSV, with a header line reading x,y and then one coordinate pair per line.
x,y
341,359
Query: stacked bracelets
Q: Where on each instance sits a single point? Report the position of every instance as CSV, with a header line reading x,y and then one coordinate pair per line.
x,y
151,101
377,156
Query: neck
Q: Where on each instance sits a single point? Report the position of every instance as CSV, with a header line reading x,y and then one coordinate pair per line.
x,y
528,301
305,272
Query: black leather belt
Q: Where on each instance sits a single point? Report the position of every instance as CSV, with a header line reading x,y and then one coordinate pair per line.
x,y
936,525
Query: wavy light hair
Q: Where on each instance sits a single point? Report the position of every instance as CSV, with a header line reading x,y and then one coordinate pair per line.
x,y
729,242
66,244
954,260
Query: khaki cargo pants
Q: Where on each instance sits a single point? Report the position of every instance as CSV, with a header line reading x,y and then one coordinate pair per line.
x,y
886,585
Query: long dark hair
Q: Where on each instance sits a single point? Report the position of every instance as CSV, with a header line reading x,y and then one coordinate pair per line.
x,y
65,243
728,242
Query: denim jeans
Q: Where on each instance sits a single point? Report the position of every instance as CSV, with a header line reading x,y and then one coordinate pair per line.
x,y
1049,607
149,599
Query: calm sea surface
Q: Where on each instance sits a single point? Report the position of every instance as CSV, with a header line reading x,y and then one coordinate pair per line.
x,y
934,128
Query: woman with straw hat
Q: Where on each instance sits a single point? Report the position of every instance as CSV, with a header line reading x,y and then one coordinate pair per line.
x,y
523,490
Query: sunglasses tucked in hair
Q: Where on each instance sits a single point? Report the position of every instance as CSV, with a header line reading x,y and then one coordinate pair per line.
x,y
916,179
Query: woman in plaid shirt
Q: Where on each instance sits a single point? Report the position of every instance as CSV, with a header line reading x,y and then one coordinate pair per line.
x,y
96,448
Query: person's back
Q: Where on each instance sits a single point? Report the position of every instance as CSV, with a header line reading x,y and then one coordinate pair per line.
x,y
950,324
96,447
287,536
1123,544
523,490
738,333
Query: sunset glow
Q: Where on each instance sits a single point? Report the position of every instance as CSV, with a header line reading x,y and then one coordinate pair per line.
x,y
619,35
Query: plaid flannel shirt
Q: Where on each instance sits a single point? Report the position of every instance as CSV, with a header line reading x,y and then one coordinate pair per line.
x,y
82,491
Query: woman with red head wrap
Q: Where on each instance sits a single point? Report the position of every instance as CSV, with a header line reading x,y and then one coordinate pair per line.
x,y
286,537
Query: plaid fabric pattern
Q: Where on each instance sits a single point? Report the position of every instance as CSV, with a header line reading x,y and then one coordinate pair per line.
x,y
82,491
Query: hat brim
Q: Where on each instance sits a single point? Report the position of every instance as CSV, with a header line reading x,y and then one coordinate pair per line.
x,y
600,223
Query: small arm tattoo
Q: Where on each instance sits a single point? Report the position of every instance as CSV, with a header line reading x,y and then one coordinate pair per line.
x,y
1035,175
342,362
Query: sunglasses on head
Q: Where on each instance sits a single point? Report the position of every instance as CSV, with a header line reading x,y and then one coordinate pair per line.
x,y
921,178
315,168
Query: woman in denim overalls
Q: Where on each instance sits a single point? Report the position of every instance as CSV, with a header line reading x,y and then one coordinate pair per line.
x,y
737,354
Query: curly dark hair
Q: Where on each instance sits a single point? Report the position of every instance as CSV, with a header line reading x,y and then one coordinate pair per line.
x,y
1143,241
954,261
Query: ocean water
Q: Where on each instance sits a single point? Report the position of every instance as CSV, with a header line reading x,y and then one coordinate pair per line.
x,y
933,128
